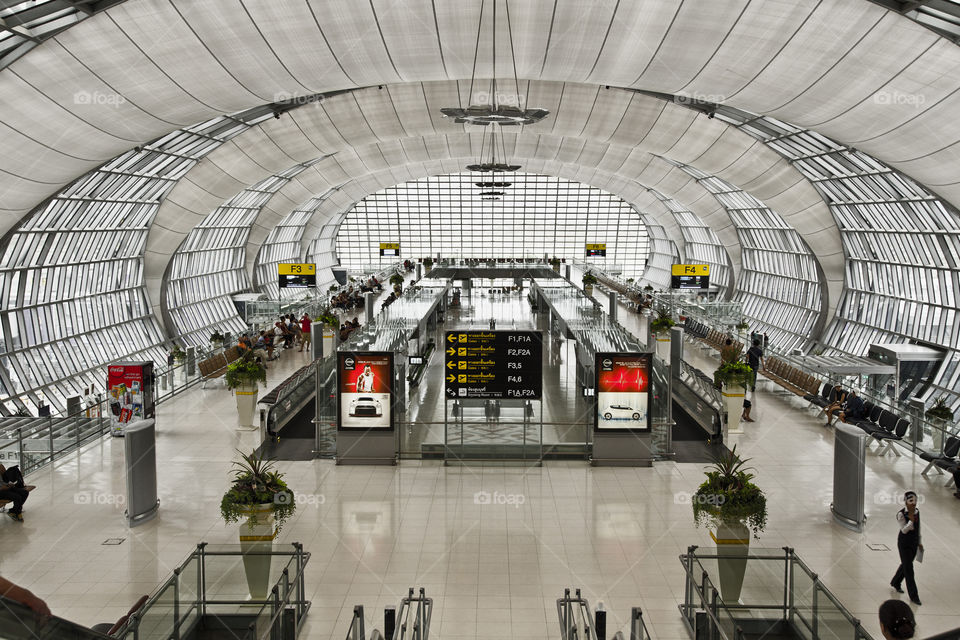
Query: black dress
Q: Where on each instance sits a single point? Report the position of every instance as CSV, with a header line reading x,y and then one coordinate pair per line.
x,y
907,544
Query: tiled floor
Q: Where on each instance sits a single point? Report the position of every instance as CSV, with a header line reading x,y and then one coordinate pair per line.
x,y
495,570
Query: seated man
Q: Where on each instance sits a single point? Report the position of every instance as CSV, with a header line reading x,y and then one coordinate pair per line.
x,y
840,398
12,489
853,409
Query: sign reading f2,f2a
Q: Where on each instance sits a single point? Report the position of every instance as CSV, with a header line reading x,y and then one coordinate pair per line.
x,y
493,364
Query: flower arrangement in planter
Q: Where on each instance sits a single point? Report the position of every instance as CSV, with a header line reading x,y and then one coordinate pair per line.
x,y
742,325
555,263
333,287
327,318
178,354
589,278
245,371
255,483
396,280
735,373
216,339
648,288
428,263
662,323
728,496
940,410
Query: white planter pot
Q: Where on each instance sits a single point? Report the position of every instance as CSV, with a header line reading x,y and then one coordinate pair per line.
x,y
733,539
588,289
733,407
939,426
246,404
663,345
256,541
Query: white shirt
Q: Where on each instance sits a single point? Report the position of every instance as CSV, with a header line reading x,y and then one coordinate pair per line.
x,y
906,525
365,382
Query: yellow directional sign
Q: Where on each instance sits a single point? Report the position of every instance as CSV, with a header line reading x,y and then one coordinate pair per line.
x,y
296,268
690,270
596,247
494,364
390,245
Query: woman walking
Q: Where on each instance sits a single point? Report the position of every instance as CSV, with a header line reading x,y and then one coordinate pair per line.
x,y
908,543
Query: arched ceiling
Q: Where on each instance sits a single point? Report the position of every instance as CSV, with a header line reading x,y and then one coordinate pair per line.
x,y
609,138
849,69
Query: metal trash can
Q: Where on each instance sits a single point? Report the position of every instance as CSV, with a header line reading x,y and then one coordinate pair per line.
x,y
849,463
141,462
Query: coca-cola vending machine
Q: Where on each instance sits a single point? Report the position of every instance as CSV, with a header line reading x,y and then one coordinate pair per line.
x,y
129,393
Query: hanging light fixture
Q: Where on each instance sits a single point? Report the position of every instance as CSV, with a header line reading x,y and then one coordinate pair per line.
x,y
490,109
493,185
490,163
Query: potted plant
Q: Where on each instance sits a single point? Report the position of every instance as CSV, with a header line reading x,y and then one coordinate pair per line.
x,y
733,377
661,324
733,506
216,340
332,288
427,264
178,355
397,281
243,376
555,264
648,288
258,496
938,415
742,326
588,281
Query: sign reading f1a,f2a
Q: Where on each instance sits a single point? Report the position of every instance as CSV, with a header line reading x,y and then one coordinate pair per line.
x,y
493,364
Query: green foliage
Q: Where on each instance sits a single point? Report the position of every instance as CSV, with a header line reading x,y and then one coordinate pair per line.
x,y
255,482
554,262
396,279
428,262
245,371
663,321
333,287
733,373
742,325
179,355
216,336
589,278
940,410
629,280
327,318
728,496
649,287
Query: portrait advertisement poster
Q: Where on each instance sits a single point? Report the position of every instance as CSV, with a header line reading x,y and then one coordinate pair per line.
x,y
129,393
365,381
623,392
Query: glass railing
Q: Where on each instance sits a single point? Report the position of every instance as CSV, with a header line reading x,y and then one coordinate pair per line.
x,y
752,592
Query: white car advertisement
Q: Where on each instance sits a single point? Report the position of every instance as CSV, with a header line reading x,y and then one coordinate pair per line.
x,y
623,392
365,384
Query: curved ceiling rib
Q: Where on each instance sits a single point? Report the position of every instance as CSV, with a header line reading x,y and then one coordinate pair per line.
x,y
861,74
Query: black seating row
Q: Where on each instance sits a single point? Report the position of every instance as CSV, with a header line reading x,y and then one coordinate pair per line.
x,y
883,426
946,461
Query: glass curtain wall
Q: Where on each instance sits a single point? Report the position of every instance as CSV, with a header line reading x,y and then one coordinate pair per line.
x,y
210,265
283,245
71,276
700,243
902,246
779,283
536,215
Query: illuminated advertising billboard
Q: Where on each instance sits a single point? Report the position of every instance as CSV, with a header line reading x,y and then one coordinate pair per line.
x,y
623,392
365,383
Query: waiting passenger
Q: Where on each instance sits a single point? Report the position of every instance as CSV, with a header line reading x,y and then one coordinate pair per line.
x,y
729,352
12,489
853,409
755,360
840,398
896,620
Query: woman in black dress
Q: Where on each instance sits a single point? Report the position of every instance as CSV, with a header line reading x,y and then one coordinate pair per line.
x,y
908,542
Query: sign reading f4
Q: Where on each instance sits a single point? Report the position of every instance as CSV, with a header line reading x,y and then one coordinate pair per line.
x,y
690,270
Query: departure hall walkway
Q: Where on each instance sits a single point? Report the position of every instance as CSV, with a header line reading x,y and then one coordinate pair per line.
x,y
495,570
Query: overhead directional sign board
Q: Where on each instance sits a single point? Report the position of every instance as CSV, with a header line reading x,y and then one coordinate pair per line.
x,y
690,276
390,249
494,364
596,249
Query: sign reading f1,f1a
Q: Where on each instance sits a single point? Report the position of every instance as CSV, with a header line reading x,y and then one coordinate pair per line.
x,y
493,364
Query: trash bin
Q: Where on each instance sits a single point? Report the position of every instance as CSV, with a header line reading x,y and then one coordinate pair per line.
x,y
141,462
849,463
